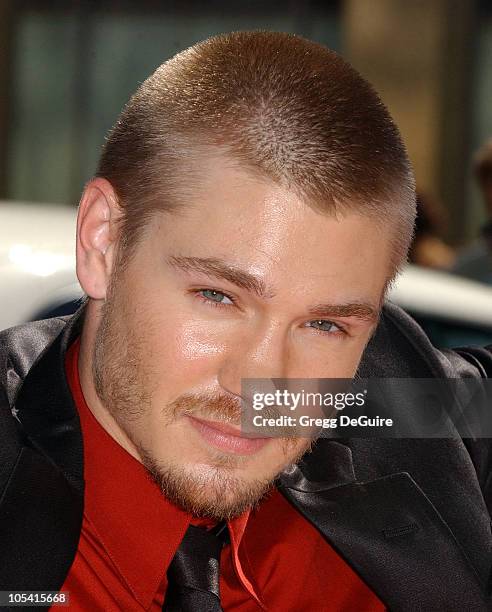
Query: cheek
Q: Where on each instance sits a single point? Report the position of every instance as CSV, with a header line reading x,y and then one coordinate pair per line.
x,y
194,342
187,350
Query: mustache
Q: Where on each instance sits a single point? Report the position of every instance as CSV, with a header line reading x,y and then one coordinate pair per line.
x,y
233,411
218,406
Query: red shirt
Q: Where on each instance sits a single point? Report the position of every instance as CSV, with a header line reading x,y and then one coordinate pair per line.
x,y
130,533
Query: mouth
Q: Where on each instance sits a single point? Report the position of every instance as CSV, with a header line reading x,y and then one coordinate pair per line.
x,y
227,437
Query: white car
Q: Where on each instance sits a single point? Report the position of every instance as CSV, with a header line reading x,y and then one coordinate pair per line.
x,y
37,279
453,311
37,261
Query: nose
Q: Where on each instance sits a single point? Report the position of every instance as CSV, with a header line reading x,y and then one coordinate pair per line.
x,y
263,353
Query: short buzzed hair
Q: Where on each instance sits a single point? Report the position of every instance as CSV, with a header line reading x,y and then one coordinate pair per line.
x,y
282,106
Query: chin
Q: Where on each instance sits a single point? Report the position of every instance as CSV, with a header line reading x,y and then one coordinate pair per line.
x,y
205,490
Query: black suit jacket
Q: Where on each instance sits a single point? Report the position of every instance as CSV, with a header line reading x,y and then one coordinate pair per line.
x,y
411,516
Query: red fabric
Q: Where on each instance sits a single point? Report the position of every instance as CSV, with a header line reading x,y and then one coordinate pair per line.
x,y
130,532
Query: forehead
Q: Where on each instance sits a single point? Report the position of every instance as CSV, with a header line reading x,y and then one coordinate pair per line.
x,y
254,223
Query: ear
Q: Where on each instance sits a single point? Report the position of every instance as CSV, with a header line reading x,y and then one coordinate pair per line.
x,y
96,235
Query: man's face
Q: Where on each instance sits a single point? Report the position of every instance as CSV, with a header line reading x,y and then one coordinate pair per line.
x,y
246,281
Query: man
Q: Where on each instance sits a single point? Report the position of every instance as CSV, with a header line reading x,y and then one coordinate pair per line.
x,y
251,207
475,261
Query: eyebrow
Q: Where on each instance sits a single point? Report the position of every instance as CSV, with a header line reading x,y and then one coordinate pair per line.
x,y
357,310
218,268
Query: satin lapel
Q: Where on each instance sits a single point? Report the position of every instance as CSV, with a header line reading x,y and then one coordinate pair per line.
x,y
41,507
389,532
46,411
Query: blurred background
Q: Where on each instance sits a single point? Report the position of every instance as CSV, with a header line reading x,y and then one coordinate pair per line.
x,y
67,68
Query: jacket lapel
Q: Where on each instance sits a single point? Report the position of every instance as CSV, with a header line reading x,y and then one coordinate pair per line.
x,y
389,532
46,411
41,507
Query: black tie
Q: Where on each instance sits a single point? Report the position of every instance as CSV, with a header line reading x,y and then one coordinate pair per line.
x,y
193,575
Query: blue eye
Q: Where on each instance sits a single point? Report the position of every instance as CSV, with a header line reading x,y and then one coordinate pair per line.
x,y
326,326
216,296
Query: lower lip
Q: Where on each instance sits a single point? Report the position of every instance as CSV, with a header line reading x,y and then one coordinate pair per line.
x,y
226,441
